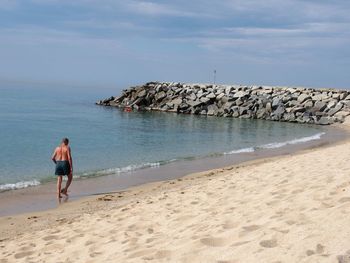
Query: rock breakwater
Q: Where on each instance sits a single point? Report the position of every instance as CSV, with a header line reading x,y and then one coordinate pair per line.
x,y
302,105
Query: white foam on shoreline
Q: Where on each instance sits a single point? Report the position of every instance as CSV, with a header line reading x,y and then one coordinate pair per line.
x,y
129,168
19,185
244,150
276,145
126,169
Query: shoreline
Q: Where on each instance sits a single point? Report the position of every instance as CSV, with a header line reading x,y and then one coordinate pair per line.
x,y
41,197
271,208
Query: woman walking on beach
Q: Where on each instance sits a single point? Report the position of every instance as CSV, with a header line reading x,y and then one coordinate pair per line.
x,y
64,166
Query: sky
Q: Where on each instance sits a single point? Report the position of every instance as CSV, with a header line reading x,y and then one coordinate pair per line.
x,y
128,42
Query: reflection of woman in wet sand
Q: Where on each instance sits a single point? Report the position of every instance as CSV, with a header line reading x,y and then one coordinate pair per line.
x,y
63,159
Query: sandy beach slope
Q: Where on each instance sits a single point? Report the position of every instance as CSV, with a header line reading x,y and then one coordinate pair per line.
x,y
293,208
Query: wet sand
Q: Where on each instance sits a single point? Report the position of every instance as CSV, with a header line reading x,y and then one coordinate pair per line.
x,y
43,197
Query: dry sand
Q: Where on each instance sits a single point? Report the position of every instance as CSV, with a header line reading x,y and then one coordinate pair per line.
x,y
293,208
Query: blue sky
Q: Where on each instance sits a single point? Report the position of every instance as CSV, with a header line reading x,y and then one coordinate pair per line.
x,y
121,43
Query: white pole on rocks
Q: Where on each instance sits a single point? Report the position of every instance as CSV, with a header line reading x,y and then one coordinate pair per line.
x,y
214,76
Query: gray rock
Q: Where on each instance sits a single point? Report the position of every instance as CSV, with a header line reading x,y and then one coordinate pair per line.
x,y
337,108
308,104
243,110
331,104
291,90
336,96
325,121
298,109
235,113
343,95
195,103
183,106
176,101
268,107
161,95
293,103
213,107
276,102
192,96
320,97
279,112
240,94
141,93
204,99
285,99
211,96
228,90
220,96
261,113
239,102
289,117
320,106
302,97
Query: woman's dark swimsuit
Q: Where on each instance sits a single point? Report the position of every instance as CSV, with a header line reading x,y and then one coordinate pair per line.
x,y
62,168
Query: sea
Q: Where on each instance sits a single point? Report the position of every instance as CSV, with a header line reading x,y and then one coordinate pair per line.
x,y
107,141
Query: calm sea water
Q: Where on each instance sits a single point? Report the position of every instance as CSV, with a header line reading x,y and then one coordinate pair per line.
x,y
109,141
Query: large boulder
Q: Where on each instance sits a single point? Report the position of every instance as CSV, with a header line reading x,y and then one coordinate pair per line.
x,y
334,110
325,121
212,110
161,95
303,97
320,106
240,94
204,99
211,96
320,97
279,112
261,113
276,102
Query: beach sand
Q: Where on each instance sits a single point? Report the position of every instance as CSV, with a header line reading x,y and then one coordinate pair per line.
x,y
293,208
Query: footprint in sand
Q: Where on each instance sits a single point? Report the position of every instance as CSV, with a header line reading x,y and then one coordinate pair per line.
x,y
297,191
23,254
283,231
214,242
344,199
88,243
141,253
344,258
251,228
270,243
162,254
239,243
229,225
319,250
290,222
48,238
